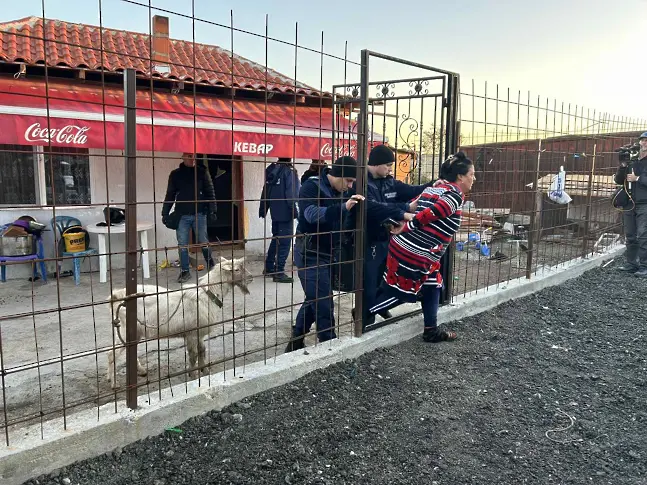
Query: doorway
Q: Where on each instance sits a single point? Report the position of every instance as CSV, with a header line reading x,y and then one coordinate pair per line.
x,y
226,174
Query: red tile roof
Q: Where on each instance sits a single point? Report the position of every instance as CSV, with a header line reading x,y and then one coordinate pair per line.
x,y
79,46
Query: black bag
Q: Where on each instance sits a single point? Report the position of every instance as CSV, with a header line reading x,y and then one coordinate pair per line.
x,y
172,221
113,216
620,198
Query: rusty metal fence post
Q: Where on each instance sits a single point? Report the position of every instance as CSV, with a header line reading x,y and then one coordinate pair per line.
x,y
589,201
535,218
451,146
130,153
360,221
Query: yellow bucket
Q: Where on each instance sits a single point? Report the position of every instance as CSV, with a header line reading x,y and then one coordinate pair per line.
x,y
74,241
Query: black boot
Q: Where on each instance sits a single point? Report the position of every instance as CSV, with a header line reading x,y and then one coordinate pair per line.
x,y
296,343
435,335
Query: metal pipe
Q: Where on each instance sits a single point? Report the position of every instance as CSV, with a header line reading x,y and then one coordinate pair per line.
x,y
130,154
360,220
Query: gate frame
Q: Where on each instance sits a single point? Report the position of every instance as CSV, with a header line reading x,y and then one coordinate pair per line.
x,y
450,124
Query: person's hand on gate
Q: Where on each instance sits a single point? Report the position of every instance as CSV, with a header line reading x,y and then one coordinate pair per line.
x,y
352,202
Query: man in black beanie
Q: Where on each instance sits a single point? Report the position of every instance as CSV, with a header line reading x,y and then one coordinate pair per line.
x,y
322,211
386,198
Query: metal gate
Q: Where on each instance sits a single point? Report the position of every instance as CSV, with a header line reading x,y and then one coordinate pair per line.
x,y
417,116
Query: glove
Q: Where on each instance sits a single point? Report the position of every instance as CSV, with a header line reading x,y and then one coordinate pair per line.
x,y
164,218
212,218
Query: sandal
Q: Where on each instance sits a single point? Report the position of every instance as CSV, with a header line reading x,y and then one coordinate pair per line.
x,y
439,336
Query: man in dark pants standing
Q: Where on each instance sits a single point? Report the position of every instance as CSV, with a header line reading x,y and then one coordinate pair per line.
x,y
322,210
187,184
634,174
279,197
386,198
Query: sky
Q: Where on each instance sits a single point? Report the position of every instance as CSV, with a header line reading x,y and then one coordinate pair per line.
x,y
585,52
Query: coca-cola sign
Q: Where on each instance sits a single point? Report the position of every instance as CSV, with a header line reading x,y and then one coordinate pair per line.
x,y
340,151
68,135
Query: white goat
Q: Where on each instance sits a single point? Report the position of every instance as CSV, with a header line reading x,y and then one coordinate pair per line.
x,y
190,313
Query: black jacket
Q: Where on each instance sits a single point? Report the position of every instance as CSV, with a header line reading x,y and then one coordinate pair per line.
x,y
321,210
385,198
639,188
181,190
280,193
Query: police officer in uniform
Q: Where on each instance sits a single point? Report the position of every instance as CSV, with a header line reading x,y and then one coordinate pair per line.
x,y
322,212
386,198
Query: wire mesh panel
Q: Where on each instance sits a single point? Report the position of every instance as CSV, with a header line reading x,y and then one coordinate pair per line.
x,y
170,211
545,180
166,172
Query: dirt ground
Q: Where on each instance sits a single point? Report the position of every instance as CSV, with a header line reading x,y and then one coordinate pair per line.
x,y
549,389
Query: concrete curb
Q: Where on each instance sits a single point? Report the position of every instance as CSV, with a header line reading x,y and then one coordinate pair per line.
x,y
31,455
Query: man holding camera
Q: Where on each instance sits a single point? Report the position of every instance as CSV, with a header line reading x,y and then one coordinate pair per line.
x,y
633,175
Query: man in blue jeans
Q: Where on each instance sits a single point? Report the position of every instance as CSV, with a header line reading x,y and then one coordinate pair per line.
x,y
322,210
190,189
279,197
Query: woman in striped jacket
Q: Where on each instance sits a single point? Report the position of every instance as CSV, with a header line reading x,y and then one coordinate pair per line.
x,y
413,262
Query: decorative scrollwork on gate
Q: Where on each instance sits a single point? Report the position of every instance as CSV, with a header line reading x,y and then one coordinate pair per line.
x,y
407,132
353,90
418,88
385,90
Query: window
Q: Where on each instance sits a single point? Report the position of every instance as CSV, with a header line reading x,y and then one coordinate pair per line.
x,y
44,176
70,168
17,175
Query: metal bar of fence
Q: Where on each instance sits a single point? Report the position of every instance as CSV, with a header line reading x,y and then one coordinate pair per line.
x,y
131,234
535,218
589,195
362,139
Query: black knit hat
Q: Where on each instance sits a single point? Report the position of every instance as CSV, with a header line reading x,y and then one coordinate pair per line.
x,y
381,155
344,167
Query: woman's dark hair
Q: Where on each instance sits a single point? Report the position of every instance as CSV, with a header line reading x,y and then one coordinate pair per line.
x,y
457,164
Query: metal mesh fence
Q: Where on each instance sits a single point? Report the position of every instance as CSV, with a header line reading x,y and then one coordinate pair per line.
x,y
203,147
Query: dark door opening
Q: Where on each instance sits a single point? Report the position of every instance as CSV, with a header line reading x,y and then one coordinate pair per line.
x,y
225,172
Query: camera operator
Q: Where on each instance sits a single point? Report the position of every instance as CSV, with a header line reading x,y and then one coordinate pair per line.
x,y
632,173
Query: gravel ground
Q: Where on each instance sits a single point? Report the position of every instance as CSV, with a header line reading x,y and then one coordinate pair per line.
x,y
548,389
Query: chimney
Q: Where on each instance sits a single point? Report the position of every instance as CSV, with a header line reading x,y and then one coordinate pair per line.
x,y
160,54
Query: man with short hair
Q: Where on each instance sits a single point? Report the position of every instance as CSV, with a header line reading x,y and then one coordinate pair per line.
x,y
190,190
634,174
386,198
322,211
279,197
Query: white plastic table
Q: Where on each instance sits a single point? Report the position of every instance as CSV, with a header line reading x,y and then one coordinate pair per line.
x,y
103,231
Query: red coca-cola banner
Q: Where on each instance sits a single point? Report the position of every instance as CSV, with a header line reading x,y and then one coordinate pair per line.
x,y
83,116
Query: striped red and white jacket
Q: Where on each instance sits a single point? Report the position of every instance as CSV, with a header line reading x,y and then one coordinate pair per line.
x,y
414,254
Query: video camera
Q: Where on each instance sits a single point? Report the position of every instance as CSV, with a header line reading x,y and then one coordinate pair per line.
x,y
628,152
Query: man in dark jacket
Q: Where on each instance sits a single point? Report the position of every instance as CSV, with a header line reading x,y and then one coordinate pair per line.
x,y
190,189
634,175
314,170
386,198
279,197
322,210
